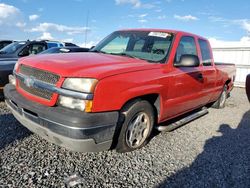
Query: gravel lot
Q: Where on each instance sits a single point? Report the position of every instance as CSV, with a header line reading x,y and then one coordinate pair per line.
x,y
213,151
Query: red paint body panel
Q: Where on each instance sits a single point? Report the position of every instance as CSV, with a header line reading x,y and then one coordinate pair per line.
x,y
122,79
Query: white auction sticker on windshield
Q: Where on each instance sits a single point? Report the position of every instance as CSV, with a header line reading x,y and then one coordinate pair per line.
x,y
158,34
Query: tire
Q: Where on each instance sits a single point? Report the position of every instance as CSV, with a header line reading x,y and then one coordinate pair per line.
x,y
137,125
221,102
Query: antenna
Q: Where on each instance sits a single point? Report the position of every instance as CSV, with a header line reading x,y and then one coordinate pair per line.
x,y
86,28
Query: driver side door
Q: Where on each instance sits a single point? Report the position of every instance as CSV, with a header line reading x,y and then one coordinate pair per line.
x,y
185,87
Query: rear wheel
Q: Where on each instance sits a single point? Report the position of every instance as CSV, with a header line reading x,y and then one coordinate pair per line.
x,y
221,102
136,127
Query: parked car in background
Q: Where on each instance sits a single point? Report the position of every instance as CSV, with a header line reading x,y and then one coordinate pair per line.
x,y
68,49
248,86
26,48
4,43
12,52
116,94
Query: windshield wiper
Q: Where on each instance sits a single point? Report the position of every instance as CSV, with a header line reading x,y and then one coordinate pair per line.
x,y
97,51
123,54
128,55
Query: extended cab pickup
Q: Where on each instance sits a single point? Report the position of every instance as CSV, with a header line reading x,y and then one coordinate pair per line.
x,y
114,95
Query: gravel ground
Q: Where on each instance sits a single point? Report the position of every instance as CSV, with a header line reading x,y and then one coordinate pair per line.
x,y
212,151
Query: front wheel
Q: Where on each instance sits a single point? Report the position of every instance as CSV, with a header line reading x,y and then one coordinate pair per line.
x,y
137,126
221,102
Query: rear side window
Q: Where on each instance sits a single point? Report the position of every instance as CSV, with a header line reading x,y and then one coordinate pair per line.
x,y
205,53
186,46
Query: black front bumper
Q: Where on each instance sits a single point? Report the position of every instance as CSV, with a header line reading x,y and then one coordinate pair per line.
x,y
75,130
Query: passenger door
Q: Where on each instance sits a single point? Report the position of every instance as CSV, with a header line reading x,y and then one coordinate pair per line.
x,y
185,87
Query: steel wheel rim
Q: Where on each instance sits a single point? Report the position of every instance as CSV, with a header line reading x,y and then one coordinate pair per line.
x,y
138,129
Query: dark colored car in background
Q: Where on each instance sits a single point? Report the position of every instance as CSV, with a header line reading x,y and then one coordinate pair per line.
x,y
11,53
4,43
26,48
69,49
248,86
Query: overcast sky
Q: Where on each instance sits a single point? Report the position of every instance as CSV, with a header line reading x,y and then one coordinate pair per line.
x,y
218,20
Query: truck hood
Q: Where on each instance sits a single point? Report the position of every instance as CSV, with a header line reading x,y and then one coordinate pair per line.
x,y
90,65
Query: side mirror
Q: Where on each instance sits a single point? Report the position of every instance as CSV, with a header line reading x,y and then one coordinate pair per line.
x,y
188,60
24,53
92,47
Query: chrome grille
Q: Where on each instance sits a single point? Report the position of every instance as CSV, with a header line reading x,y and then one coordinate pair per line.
x,y
40,75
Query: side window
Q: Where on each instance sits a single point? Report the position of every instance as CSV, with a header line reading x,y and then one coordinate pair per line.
x,y
205,53
37,48
6,44
186,46
2,45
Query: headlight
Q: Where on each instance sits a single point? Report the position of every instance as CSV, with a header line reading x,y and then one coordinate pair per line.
x,y
85,85
78,104
12,79
15,67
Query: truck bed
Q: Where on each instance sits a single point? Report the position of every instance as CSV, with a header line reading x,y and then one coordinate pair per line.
x,y
226,67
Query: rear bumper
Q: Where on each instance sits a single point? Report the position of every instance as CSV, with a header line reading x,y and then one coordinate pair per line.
x,y
74,130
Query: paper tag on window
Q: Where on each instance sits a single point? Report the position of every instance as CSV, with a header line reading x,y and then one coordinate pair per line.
x,y
158,34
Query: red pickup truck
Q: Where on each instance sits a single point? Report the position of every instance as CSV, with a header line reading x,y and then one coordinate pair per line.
x,y
114,95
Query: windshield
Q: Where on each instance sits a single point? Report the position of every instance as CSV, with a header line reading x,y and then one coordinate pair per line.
x,y
150,46
12,48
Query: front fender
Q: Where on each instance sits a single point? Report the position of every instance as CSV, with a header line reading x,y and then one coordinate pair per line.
x,y
113,92
139,91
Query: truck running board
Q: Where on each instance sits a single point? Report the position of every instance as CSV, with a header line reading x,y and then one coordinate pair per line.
x,y
182,121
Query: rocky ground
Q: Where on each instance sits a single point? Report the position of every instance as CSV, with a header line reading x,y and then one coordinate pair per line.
x,y
212,151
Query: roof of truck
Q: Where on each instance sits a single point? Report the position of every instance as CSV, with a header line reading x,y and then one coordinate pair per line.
x,y
163,30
